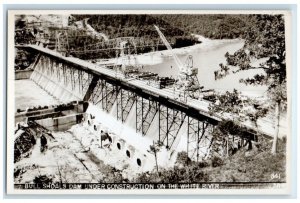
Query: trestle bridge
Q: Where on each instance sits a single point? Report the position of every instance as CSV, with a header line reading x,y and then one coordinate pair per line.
x,y
68,78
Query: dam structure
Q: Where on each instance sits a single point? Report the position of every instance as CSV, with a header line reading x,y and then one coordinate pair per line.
x,y
145,115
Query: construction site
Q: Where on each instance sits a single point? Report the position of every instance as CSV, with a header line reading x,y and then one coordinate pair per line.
x,y
88,109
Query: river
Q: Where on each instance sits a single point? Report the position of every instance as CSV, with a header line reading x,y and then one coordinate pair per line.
x,y
206,57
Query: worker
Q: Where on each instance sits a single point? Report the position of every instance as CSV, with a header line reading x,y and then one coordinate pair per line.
x,y
105,136
43,143
101,136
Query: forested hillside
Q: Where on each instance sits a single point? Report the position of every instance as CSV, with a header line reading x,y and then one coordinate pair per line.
x,y
220,26
217,26
178,30
141,26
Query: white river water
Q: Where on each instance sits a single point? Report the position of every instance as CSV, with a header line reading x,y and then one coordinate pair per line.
x,y
206,57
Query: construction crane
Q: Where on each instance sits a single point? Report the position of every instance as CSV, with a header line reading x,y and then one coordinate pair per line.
x,y
126,53
187,81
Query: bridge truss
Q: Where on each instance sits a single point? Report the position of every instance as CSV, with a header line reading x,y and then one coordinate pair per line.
x,y
65,38
68,82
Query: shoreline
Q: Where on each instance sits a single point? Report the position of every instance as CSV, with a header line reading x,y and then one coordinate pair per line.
x,y
204,43
156,57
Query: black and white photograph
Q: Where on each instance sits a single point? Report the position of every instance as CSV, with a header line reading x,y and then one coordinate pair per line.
x,y
185,102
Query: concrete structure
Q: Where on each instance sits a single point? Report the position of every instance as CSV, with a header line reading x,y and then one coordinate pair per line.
x,y
23,74
54,118
151,112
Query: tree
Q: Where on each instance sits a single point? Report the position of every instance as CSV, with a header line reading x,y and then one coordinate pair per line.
x,y
235,109
264,40
154,149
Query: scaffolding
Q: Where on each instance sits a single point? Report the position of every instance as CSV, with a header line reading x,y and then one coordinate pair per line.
x,y
170,122
146,110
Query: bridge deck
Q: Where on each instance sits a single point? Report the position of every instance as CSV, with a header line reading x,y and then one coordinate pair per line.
x,y
265,125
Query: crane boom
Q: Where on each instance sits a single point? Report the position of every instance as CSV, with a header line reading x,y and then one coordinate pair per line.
x,y
187,82
165,41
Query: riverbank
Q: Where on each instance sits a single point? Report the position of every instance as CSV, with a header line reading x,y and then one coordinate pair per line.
x,y
157,57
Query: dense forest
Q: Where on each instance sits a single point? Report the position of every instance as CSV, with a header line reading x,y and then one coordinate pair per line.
x,y
178,29
215,26
139,26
